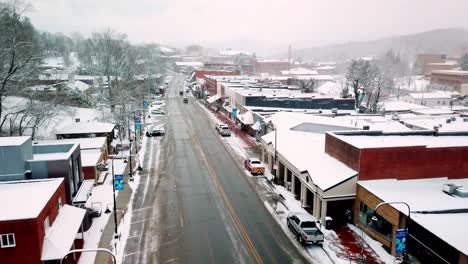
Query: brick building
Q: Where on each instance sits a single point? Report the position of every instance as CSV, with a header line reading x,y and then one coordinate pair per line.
x,y
36,224
457,80
406,155
270,66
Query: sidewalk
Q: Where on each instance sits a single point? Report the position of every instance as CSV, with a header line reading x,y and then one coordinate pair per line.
x,y
122,200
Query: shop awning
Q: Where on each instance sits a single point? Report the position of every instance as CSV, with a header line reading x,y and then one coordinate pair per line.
x,y
256,126
246,118
61,235
83,193
213,99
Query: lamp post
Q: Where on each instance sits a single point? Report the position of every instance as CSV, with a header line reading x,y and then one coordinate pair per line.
x,y
116,234
276,146
405,255
130,172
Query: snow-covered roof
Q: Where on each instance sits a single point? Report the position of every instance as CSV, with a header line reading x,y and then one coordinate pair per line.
x,y
433,95
365,140
306,152
13,141
90,157
189,63
53,62
78,86
426,122
299,71
26,199
86,128
61,235
325,68
231,52
165,49
85,143
427,195
331,88
400,106
246,118
451,72
51,156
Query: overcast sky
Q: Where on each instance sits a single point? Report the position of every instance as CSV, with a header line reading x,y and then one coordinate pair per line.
x,y
250,24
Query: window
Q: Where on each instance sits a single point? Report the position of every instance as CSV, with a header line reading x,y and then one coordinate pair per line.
x,y
381,226
7,240
46,224
60,202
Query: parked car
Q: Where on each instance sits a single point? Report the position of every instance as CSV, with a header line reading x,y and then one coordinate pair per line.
x,y
185,100
157,112
305,228
155,132
254,166
223,129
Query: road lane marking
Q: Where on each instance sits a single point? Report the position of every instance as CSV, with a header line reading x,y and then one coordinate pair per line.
x,y
228,204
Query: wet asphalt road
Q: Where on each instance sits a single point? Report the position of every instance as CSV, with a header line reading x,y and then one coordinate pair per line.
x,y
193,203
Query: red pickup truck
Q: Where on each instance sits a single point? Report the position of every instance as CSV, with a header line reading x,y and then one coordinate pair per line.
x,y
254,166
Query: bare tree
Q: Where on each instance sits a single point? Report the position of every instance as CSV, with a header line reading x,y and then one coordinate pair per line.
x,y
360,75
19,51
110,57
306,85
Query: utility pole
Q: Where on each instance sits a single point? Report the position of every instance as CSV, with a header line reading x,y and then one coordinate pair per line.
x,y
130,173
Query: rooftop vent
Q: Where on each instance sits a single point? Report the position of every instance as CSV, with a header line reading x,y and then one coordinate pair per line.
x,y
77,120
453,118
448,121
395,117
335,110
365,127
456,190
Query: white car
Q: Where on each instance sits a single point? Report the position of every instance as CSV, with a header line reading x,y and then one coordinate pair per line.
x,y
223,129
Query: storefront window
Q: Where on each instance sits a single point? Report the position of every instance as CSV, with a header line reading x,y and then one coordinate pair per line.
x,y
378,224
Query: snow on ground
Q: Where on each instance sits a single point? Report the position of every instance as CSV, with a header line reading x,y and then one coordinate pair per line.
x,y
101,198
415,83
64,116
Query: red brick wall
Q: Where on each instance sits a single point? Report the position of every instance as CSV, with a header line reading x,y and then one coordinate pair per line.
x,y
89,173
29,233
210,85
413,163
201,73
342,151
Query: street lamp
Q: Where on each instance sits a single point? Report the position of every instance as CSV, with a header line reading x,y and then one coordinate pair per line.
x,y
405,254
116,234
276,145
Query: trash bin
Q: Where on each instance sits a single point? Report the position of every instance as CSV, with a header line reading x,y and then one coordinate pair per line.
x,y
328,222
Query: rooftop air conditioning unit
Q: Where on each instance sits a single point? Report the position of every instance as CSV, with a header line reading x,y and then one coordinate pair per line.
x,y
449,188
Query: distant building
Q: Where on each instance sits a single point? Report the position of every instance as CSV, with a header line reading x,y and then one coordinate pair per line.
x,y
270,66
428,99
36,224
423,59
457,80
438,66
88,130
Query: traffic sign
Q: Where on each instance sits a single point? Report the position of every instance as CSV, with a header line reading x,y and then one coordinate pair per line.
x,y
145,104
118,182
400,241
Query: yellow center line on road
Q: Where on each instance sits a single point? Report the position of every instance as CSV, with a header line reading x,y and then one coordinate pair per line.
x,y
228,204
